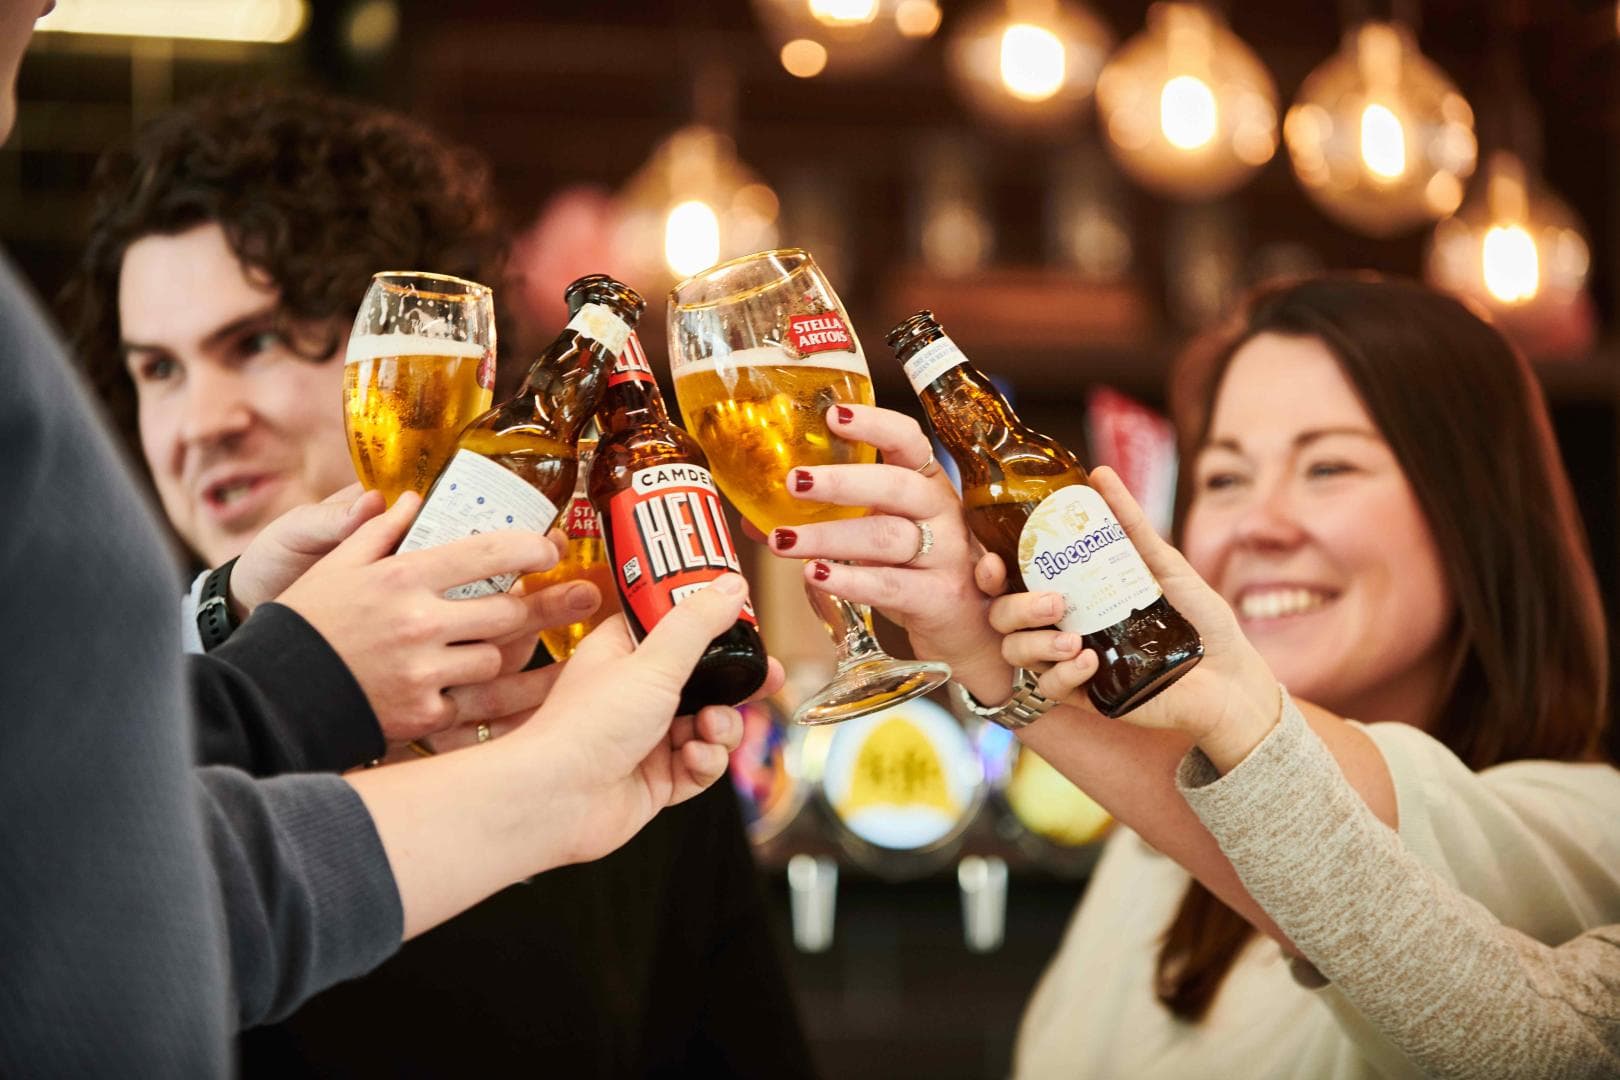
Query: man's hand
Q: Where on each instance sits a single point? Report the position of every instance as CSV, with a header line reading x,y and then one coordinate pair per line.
x,y
294,542
607,723
386,616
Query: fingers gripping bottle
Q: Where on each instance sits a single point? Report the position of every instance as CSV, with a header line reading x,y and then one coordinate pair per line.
x,y
666,533
514,466
1026,499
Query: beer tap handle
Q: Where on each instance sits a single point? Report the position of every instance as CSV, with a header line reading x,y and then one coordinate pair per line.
x,y
813,898
983,882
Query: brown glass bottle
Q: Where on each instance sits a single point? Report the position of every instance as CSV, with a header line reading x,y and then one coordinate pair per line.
x,y
1075,547
666,533
514,466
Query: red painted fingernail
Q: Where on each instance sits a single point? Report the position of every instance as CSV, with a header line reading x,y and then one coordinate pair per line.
x,y
820,571
784,538
845,414
802,480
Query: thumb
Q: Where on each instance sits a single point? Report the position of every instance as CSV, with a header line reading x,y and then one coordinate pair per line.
x,y
378,537
673,648
990,574
1162,559
317,529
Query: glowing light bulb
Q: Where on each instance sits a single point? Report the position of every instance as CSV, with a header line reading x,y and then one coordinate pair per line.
x,y
1187,112
1383,142
844,12
917,18
804,58
1032,62
691,238
1512,269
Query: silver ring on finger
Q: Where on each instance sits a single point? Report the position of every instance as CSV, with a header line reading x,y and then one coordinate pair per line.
x,y
925,542
929,467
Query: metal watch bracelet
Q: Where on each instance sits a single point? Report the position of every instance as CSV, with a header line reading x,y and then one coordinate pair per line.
x,y
1023,708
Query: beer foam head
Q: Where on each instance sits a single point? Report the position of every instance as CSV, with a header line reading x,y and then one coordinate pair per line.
x,y
377,346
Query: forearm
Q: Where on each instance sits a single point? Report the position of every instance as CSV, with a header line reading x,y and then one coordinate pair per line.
x,y
1436,973
1131,771
459,827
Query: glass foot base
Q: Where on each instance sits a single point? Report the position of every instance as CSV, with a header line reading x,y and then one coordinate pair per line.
x,y
868,687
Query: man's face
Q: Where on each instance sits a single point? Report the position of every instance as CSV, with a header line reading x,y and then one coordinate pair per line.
x,y
235,425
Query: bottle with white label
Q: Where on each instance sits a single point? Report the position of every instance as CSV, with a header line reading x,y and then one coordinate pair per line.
x,y
514,466
1026,499
666,532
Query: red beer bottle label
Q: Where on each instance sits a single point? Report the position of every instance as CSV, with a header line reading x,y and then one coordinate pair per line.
x,y
581,522
669,539
823,332
631,364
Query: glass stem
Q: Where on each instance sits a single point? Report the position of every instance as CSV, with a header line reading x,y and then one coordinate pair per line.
x,y
850,626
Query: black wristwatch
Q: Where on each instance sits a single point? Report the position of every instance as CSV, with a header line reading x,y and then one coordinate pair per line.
x,y
215,621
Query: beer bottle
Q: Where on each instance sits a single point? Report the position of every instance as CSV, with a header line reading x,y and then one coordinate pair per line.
x,y
1026,499
666,533
514,466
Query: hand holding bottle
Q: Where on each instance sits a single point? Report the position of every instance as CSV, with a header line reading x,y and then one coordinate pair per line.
x,y
1226,704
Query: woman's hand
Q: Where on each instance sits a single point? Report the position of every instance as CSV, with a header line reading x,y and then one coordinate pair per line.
x,y
1226,704
386,616
926,588
606,726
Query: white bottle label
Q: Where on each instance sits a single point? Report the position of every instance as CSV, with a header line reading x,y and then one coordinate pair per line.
x,y
1072,544
474,495
931,361
601,324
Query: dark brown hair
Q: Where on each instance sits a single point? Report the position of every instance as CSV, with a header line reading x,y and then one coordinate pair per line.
x,y
1464,416
314,193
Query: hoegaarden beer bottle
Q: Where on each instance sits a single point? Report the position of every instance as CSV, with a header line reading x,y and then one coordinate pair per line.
x,y
1026,499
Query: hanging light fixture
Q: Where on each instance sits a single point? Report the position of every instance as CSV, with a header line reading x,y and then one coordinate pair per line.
x,y
1189,110
844,37
1513,246
1380,138
1029,62
692,205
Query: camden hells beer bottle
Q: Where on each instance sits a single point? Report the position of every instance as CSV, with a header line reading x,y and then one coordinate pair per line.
x,y
666,533
514,466
1026,499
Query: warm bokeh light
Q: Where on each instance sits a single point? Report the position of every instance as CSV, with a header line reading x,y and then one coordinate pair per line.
x,y
1512,270
691,205
691,238
804,58
1383,142
269,21
844,12
1379,137
1187,112
1188,108
1031,62
1517,249
849,37
917,18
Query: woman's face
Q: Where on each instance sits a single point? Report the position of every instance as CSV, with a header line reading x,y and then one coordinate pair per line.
x,y
1303,520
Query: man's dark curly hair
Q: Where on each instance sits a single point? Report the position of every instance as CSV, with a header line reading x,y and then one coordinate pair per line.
x,y
314,193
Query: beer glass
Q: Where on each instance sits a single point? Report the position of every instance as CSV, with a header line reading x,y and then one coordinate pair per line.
x,y
420,366
760,348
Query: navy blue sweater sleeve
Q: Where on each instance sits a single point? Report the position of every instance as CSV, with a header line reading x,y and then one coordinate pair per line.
x,y
276,698
309,897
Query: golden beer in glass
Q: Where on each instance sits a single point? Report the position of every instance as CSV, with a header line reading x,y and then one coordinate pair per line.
x,y
759,349
420,366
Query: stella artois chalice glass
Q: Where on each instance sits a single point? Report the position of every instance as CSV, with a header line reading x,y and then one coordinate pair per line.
x,y
760,348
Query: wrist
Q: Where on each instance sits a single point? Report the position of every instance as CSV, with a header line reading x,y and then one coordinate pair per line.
x,y
1248,718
